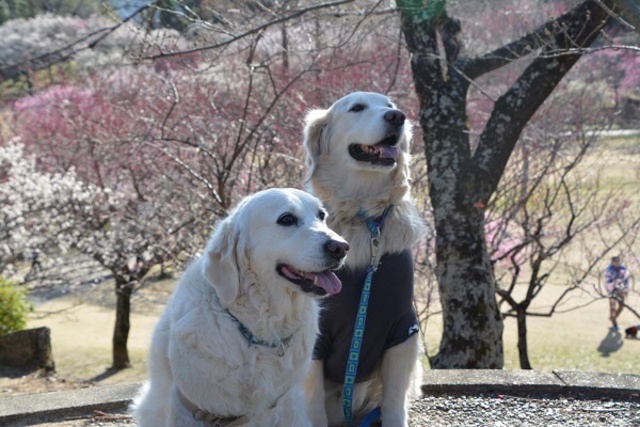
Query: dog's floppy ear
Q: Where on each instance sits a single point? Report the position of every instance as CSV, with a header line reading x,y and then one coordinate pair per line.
x,y
220,266
316,138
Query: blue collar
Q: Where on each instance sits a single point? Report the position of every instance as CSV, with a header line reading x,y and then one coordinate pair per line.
x,y
253,340
375,223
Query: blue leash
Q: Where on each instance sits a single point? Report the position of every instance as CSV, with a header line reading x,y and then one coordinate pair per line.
x,y
375,227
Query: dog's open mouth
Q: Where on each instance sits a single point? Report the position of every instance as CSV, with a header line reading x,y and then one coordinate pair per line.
x,y
383,153
322,283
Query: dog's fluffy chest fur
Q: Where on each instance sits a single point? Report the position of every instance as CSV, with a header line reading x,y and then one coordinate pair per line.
x,y
203,329
401,230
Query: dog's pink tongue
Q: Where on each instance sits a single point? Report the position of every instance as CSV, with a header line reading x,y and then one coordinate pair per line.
x,y
388,151
329,282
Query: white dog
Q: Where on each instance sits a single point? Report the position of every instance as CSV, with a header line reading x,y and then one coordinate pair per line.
x,y
357,158
236,337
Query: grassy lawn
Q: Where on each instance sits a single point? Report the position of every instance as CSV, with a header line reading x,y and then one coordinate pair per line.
x,y
81,341
575,340
615,166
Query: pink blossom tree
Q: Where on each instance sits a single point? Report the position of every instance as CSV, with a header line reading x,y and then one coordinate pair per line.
x,y
173,148
140,214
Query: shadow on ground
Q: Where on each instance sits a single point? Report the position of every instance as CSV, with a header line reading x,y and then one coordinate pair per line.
x,y
106,374
11,372
611,343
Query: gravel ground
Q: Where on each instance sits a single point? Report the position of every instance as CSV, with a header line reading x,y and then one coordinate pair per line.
x,y
489,410
502,411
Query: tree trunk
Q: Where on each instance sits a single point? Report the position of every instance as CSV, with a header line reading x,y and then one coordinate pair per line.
x,y
471,319
122,325
523,351
472,323
285,47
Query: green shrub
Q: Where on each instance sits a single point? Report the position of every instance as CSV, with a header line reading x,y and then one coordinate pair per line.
x,y
14,307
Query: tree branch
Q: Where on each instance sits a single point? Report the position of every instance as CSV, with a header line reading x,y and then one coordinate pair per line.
x,y
252,31
630,11
538,39
514,109
64,53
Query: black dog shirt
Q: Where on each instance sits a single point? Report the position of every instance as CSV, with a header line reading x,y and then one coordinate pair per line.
x,y
391,318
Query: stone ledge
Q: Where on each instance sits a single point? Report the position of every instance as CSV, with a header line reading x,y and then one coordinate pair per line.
x,y
626,386
592,385
473,381
37,408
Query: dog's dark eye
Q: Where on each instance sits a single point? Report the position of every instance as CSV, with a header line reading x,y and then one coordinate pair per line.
x,y
287,219
357,107
322,215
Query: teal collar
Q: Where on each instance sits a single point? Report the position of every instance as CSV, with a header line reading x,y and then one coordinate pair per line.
x,y
253,340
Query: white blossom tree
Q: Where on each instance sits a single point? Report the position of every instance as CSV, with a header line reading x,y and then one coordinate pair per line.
x,y
39,209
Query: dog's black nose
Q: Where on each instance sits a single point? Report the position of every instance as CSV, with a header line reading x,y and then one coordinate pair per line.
x,y
395,117
336,248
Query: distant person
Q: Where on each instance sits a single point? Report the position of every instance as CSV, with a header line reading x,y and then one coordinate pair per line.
x,y
617,284
35,261
138,264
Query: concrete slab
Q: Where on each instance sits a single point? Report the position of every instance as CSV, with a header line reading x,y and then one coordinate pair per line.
x,y
604,383
37,407
440,381
589,384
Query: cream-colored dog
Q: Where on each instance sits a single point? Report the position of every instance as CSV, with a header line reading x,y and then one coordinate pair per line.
x,y
357,158
236,337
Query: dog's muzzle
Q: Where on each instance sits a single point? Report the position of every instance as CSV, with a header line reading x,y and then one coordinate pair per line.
x,y
384,153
